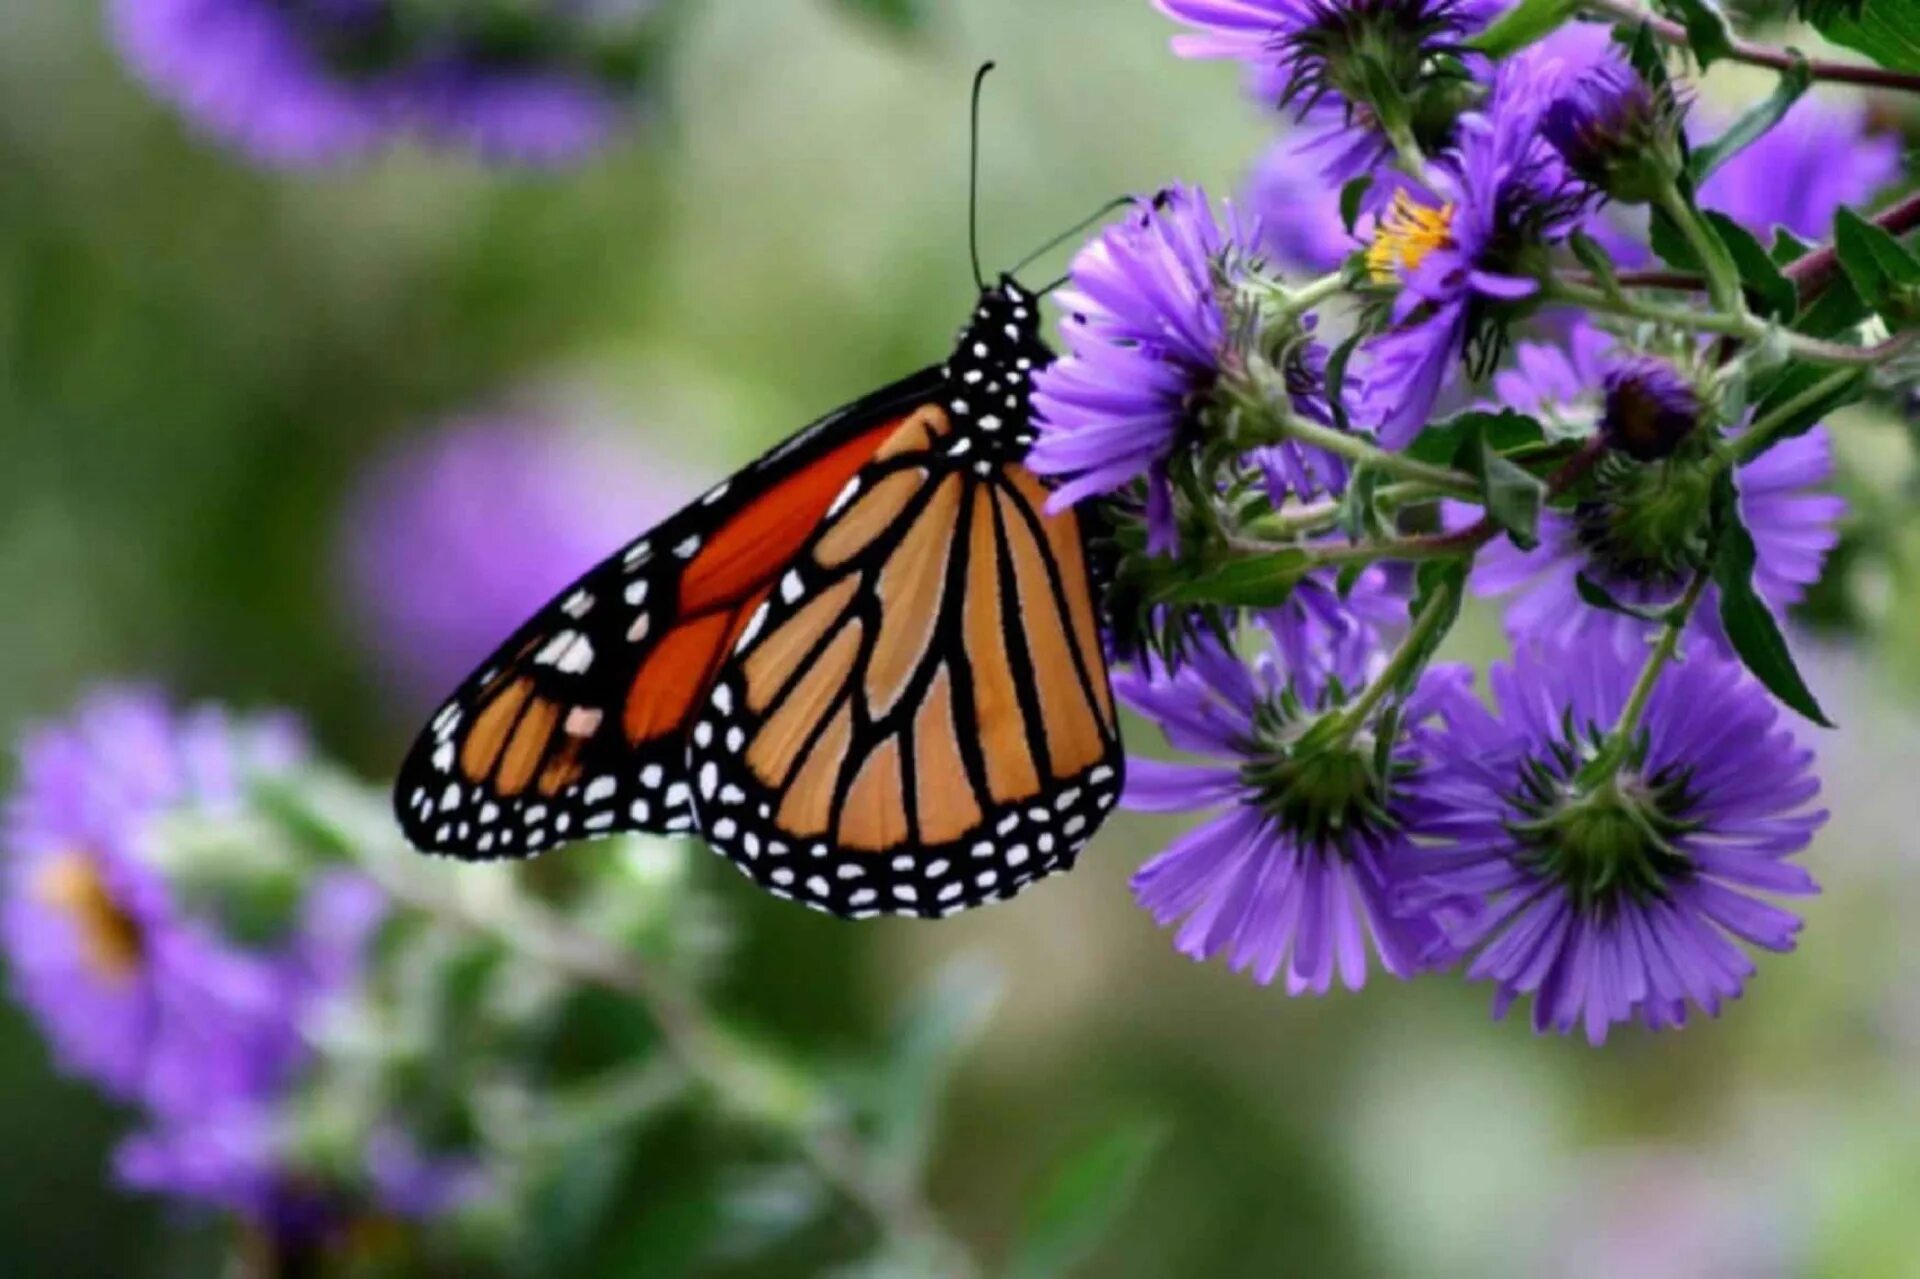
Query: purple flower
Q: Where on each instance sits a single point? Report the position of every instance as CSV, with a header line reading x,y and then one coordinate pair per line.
x,y
1559,384
1297,209
1145,334
1651,408
305,82
1819,157
1629,546
455,538
1333,636
1330,56
1460,249
1294,871
1616,898
1616,132
147,1002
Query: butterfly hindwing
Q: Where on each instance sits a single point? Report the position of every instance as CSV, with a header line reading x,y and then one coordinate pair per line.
x,y
917,719
577,726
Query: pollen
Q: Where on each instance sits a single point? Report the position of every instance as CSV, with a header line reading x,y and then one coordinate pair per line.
x,y
1408,232
110,938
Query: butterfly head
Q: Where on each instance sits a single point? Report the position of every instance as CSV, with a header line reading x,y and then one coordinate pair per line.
x,y
990,376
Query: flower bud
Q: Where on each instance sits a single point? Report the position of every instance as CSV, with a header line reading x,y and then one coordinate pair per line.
x,y
1651,409
1618,133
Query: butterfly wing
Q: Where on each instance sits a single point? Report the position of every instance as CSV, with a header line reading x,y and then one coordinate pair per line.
x,y
917,719
577,725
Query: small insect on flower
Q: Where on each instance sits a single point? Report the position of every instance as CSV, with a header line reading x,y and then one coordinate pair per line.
x,y
1617,890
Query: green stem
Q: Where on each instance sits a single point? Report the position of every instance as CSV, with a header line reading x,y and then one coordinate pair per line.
x,y
1267,411
1309,517
1620,739
1311,294
1407,148
1413,652
1739,325
1761,433
1723,275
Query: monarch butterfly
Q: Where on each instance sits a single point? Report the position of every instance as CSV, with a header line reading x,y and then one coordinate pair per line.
x,y
867,668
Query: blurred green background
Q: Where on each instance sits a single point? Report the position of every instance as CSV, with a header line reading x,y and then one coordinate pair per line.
x,y
197,359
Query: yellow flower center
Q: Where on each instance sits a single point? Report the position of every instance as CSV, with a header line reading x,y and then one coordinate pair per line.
x,y
71,884
1407,233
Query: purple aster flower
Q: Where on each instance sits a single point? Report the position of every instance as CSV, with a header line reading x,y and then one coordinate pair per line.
x,y
1297,209
1617,898
1330,56
1652,408
303,82
1632,546
1559,384
455,538
1819,157
1616,132
1460,249
135,995
1146,332
1318,629
1293,872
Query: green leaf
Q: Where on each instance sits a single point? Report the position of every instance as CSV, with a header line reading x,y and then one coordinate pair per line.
x,y
1593,256
1708,34
1080,1201
1884,274
1788,248
1522,25
1254,581
1336,379
1754,123
1511,494
1749,623
901,15
1772,293
1791,382
1888,31
1431,579
1504,431
1598,596
1359,518
1350,196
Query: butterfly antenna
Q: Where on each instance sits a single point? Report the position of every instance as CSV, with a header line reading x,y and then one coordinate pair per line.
x,y
1118,202
973,178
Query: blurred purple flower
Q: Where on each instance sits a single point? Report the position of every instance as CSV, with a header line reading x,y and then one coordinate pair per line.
x,y
1297,209
1145,332
1256,882
1609,902
134,995
1819,157
1794,525
1318,629
1558,383
456,537
305,82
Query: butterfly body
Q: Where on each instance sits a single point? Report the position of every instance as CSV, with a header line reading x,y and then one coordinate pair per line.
x,y
867,668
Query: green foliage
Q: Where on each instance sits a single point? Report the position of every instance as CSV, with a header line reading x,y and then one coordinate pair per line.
x,y
1771,293
1883,272
1522,25
905,16
1080,1200
1749,623
1709,34
1888,31
1753,123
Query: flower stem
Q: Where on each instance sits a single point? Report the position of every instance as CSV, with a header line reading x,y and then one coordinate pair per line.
x,y
1620,739
1758,436
1414,652
1732,324
1723,275
1759,55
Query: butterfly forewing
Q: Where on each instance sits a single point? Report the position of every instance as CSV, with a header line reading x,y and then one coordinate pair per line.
x,y
578,725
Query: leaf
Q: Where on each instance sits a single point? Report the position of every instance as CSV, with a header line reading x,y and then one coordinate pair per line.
x,y
1598,596
1524,24
1255,581
1888,31
1335,379
1593,256
1754,123
1429,582
1788,248
1772,292
901,15
1505,431
1749,623
1794,380
1879,267
1359,518
1350,197
1708,34
1511,494
1081,1200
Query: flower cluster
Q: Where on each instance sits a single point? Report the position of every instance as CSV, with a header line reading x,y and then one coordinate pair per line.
x,y
304,82
117,941
1485,392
